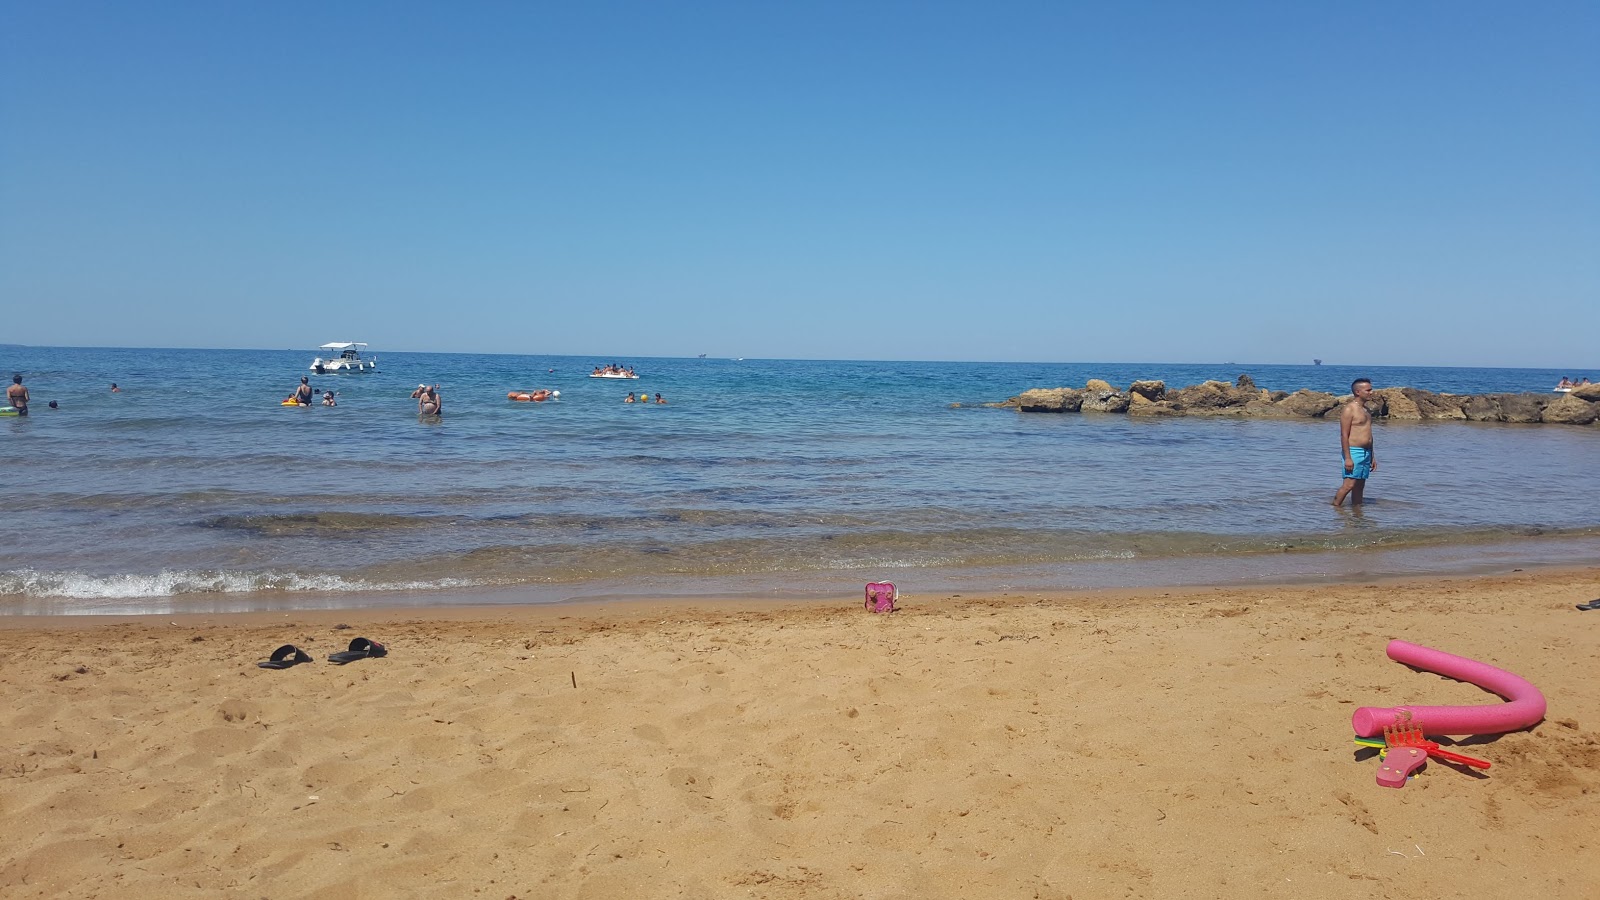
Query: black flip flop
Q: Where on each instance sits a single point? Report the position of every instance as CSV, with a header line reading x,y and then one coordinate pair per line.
x,y
1592,604
286,656
360,648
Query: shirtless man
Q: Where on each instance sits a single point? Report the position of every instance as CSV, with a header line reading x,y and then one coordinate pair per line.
x,y
1355,439
428,402
17,395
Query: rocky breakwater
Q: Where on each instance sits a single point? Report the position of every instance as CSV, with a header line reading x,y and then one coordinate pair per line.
x,y
1243,398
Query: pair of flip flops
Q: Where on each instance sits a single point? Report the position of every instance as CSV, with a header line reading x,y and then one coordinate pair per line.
x,y
289,655
1592,604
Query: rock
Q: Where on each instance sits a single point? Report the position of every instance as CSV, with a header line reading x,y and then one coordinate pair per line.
x,y
1521,408
1104,401
1246,383
1149,390
1308,403
1481,409
1399,406
1264,409
1589,392
1050,400
1433,406
1275,396
1207,395
1139,406
1570,410
1095,384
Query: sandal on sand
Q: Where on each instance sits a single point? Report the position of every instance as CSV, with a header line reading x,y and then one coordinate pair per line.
x,y
1592,604
360,648
286,656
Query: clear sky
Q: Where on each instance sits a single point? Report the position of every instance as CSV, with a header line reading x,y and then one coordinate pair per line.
x,y
1371,183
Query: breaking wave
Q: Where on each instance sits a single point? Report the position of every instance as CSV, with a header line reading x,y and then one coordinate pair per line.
x,y
85,586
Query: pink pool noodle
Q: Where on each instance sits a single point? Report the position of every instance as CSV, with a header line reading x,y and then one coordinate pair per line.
x,y
1526,706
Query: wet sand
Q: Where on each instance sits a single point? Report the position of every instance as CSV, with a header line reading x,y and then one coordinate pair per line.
x,y
1156,743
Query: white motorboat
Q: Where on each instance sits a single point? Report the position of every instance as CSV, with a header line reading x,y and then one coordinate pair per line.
x,y
349,359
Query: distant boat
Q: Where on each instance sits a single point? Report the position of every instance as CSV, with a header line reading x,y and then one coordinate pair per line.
x,y
702,356
1316,362
348,360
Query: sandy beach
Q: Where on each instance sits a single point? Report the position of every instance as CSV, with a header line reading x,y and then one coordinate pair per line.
x,y
1139,744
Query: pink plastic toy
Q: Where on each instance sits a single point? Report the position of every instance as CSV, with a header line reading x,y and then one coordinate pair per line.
x,y
881,596
1526,708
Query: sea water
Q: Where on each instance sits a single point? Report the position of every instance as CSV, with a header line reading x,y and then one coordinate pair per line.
x,y
193,489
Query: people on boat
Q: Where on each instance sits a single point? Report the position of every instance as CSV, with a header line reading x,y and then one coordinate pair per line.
x,y
1565,385
327,399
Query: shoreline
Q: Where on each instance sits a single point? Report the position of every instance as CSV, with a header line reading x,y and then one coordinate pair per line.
x,y
1170,742
1285,568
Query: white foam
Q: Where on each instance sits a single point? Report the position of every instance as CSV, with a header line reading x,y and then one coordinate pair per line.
x,y
84,586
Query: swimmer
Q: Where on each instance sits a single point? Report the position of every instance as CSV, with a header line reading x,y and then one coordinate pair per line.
x,y
661,400
428,402
17,395
630,398
115,389
303,393
421,389
327,399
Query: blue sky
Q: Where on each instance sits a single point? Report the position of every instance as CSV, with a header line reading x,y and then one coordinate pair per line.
x,y
1369,183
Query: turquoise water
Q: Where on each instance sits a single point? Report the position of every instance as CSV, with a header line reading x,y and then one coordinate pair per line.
x,y
194,489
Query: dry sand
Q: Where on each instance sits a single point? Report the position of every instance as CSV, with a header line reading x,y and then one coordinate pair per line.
x,y
1154,744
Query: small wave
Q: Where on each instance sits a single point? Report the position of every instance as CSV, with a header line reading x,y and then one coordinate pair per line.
x,y
128,586
318,523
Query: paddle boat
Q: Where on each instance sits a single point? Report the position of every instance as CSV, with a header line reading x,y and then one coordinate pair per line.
x,y
348,360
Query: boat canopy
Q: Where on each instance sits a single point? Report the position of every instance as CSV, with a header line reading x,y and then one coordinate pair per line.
x,y
343,345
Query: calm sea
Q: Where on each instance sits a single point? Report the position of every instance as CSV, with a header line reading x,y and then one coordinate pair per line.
x,y
194,490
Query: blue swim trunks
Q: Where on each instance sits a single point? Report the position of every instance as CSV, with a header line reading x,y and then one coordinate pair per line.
x,y
1362,457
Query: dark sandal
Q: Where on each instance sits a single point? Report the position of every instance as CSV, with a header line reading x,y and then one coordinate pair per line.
x,y
286,656
360,648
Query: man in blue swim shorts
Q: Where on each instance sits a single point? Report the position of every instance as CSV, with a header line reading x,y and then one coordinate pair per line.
x,y
1355,439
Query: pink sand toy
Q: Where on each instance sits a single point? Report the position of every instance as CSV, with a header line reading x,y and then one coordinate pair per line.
x,y
1405,750
1403,727
1526,708
881,596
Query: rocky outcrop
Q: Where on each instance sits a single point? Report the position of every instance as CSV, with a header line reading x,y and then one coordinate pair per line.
x,y
1050,400
1589,392
1524,408
1482,409
1149,390
1104,401
1569,410
1307,403
1244,399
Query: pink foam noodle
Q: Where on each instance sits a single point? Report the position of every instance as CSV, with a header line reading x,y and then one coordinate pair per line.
x,y
1526,706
